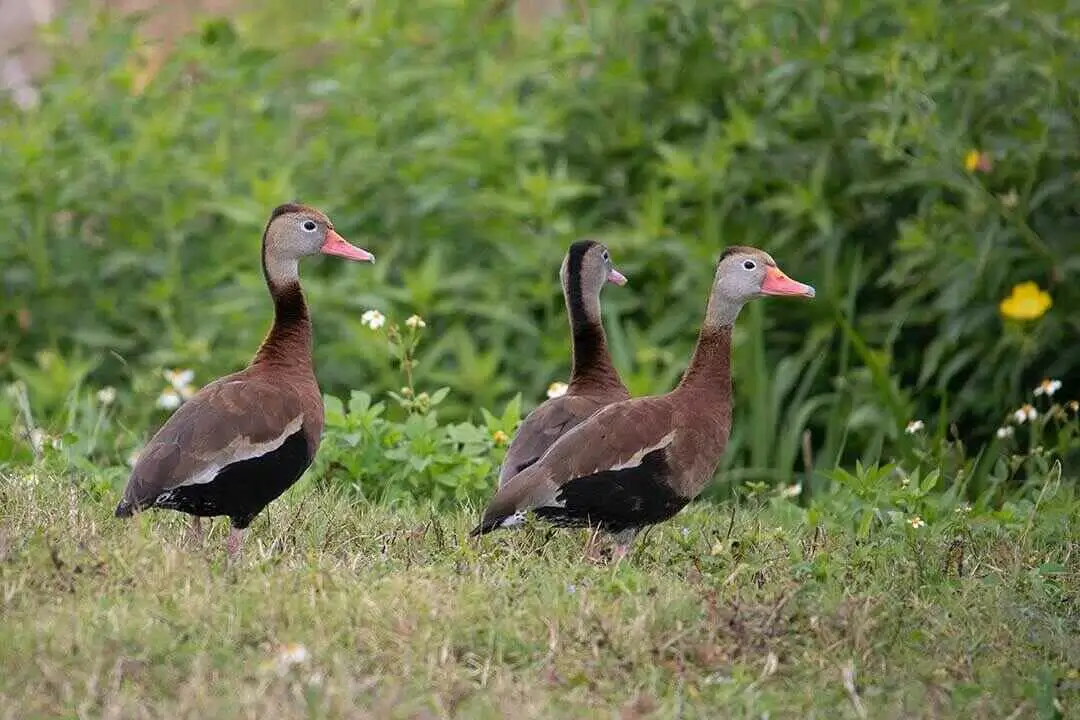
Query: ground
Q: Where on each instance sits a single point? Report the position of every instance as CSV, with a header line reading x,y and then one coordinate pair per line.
x,y
342,611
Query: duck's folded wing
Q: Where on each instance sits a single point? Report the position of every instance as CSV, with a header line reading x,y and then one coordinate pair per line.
x,y
623,445
226,422
544,425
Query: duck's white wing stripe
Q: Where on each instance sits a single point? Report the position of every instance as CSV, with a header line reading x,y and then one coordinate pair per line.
x,y
241,448
638,456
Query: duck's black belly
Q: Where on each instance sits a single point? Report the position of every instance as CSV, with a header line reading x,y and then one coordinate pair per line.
x,y
617,500
241,490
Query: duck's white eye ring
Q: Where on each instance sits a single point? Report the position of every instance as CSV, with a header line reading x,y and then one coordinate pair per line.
x,y
749,265
309,226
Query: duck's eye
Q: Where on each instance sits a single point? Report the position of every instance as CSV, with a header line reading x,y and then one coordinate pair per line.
x,y
309,226
749,265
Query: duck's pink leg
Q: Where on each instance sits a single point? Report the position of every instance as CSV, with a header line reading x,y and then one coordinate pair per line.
x,y
234,543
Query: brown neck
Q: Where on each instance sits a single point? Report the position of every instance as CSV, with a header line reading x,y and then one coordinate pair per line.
x,y
708,377
289,341
592,366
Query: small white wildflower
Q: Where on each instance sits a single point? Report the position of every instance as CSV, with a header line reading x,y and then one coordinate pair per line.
x,y
1026,412
1047,387
686,532
169,399
1005,431
792,491
38,438
914,426
415,321
373,319
179,379
292,654
571,588
962,509
106,396
557,389
916,522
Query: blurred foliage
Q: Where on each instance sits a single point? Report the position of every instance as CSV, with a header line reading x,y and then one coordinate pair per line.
x,y
912,160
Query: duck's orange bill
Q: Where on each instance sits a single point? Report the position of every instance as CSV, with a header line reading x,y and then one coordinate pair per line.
x,y
614,276
337,245
777,283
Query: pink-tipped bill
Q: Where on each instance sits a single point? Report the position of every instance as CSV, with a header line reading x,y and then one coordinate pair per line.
x,y
337,245
777,283
614,276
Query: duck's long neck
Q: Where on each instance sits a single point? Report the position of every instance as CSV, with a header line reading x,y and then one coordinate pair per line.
x,y
591,362
289,340
708,376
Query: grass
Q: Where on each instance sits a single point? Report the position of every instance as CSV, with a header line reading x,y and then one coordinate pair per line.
x,y
727,611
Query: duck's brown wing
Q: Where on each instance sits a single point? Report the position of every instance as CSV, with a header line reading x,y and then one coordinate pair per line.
x,y
547,423
233,419
620,451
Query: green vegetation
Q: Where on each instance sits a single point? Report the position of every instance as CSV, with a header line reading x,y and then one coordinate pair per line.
x,y
893,531
914,162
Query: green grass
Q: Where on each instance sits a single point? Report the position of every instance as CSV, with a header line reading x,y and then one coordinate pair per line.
x,y
727,611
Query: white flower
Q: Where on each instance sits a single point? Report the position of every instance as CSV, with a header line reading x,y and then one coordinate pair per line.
x,y
38,438
373,319
1026,412
916,522
106,396
1047,387
962,509
169,399
914,426
557,389
179,379
415,321
1005,431
285,657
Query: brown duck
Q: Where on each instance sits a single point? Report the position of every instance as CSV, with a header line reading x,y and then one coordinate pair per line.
x,y
594,381
638,462
244,439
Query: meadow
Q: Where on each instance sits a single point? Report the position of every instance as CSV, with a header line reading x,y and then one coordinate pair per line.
x,y
893,530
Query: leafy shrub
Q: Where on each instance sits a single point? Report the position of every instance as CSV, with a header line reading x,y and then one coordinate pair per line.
x,y
913,161
378,458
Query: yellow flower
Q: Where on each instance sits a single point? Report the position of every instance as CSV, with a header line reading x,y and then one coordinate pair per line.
x,y
975,160
1027,301
500,437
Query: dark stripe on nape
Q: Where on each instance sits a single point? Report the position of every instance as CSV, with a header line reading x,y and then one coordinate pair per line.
x,y
734,249
285,209
575,259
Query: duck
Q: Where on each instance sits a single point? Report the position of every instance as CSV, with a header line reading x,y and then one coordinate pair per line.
x,y
594,382
638,462
244,439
